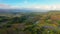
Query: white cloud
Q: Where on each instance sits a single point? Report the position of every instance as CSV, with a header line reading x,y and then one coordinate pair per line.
x,y
44,7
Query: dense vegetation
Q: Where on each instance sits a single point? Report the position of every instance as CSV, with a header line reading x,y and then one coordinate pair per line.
x,y
30,23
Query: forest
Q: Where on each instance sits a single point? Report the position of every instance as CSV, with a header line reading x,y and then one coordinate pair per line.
x,y
30,23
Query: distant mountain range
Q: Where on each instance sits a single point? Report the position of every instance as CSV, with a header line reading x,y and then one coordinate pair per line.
x,y
21,10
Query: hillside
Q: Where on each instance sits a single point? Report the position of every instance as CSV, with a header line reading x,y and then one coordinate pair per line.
x,y
30,23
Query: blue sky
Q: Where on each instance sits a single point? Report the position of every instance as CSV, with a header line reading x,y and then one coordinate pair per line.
x,y
15,2
31,3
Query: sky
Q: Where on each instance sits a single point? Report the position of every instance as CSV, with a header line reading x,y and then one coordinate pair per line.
x,y
31,4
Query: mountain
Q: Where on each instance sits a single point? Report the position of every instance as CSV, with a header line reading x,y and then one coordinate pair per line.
x,y
22,10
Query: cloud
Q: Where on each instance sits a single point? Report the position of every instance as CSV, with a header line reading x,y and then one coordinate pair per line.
x,y
43,7
4,6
